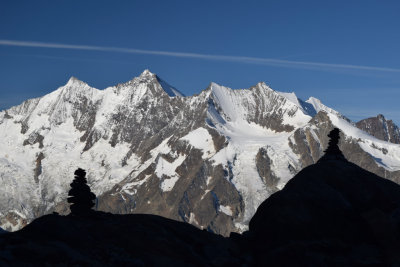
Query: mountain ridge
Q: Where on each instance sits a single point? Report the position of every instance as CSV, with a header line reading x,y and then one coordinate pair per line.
x,y
208,159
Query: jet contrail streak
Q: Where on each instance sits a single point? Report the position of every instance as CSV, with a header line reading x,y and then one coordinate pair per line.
x,y
241,59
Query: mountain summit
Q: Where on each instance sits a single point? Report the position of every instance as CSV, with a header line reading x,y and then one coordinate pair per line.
x,y
73,81
170,90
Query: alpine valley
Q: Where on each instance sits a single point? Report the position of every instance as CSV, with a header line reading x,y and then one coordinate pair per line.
x,y
209,160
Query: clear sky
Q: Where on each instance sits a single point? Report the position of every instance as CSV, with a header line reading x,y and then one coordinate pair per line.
x,y
346,53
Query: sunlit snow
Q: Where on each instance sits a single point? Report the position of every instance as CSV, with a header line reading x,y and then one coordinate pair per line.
x,y
230,112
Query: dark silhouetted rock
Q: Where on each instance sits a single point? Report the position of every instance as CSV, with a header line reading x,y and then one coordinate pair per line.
x,y
80,196
332,213
105,239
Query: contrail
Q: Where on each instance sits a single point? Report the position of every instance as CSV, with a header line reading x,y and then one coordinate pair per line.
x,y
240,59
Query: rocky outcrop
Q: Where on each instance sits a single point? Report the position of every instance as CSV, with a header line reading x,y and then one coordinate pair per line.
x,y
34,138
38,168
13,221
381,128
202,196
263,163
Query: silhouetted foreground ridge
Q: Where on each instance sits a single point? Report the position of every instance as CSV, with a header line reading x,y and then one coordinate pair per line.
x,y
332,213
104,239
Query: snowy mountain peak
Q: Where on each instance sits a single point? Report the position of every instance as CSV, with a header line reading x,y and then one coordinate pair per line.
x,y
167,88
304,106
381,117
292,98
147,74
318,106
213,85
149,82
73,81
264,86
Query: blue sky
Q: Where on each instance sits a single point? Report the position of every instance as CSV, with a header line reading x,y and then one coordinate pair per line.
x,y
345,53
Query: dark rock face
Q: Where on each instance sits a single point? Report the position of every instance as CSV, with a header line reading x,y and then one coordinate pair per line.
x,y
33,139
381,128
38,168
309,142
196,197
331,213
218,139
263,163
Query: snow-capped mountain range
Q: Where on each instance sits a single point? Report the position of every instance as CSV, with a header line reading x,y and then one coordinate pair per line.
x,y
209,159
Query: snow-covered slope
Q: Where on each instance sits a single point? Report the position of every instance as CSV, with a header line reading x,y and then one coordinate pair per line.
x,y
318,106
208,159
387,155
259,104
